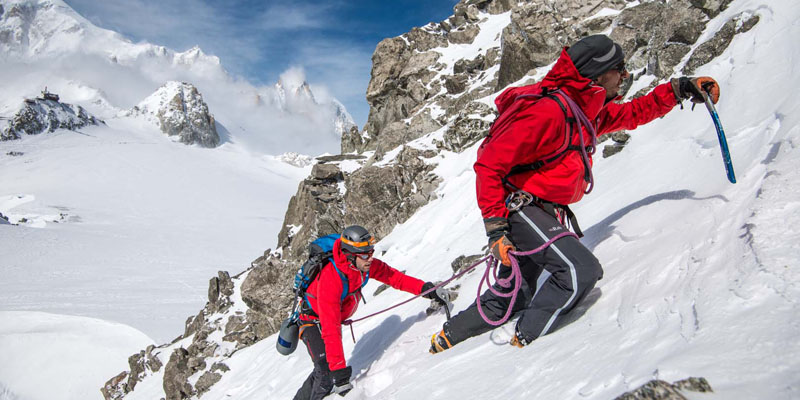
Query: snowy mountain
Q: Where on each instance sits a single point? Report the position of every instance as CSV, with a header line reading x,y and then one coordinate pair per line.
x,y
46,114
46,43
179,110
698,272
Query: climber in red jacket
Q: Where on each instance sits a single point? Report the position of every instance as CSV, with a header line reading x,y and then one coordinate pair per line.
x,y
333,297
536,161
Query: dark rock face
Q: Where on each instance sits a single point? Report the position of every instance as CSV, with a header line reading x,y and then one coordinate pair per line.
x,y
717,44
539,30
469,126
375,196
40,115
661,390
177,374
656,35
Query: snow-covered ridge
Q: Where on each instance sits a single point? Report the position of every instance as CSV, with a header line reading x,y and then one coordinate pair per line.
x,y
35,29
179,110
46,43
46,114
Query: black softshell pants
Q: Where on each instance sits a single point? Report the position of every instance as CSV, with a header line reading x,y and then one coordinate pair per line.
x,y
319,383
554,280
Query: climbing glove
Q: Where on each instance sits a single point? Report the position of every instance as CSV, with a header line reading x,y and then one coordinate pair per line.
x,y
688,88
440,295
497,230
341,380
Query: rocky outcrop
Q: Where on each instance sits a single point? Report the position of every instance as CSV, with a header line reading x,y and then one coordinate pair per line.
x,y
240,310
662,390
720,41
657,35
539,30
44,115
377,195
179,110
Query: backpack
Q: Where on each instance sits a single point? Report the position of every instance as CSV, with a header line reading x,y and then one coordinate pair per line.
x,y
320,251
504,120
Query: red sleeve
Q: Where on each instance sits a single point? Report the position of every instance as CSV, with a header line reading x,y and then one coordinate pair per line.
x,y
638,111
329,306
394,278
536,131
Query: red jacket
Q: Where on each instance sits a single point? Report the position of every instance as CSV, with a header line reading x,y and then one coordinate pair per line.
x,y
540,130
324,295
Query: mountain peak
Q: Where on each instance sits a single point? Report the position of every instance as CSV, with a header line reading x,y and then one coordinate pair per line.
x,y
180,111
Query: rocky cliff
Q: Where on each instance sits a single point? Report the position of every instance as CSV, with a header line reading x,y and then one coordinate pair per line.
x,y
179,111
40,115
431,91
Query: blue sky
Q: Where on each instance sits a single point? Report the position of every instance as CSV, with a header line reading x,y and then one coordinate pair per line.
x,y
331,40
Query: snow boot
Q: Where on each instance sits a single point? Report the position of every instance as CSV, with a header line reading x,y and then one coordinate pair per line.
x,y
439,343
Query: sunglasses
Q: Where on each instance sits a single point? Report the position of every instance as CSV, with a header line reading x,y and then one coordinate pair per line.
x,y
364,256
620,67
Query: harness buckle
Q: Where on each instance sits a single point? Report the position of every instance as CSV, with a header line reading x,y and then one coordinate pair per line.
x,y
518,199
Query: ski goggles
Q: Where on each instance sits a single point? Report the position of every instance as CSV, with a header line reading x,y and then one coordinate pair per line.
x,y
364,256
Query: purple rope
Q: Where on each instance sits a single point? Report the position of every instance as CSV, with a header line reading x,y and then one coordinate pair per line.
x,y
582,120
491,264
452,278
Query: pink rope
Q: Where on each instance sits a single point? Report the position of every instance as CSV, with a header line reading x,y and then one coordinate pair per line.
x,y
491,264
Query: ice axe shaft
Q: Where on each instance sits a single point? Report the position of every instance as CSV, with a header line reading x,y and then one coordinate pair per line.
x,y
723,142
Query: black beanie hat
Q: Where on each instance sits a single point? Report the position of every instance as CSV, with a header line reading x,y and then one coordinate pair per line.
x,y
595,55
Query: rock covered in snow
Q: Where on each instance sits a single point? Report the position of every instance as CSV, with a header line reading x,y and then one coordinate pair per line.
x,y
240,311
345,190
180,111
662,390
293,95
46,115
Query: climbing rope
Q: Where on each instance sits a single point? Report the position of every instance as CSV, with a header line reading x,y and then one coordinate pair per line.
x,y
491,266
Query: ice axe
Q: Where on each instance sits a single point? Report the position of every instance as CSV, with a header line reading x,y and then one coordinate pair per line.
x,y
723,143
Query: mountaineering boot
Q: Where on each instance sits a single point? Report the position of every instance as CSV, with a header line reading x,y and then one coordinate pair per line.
x,y
516,342
439,343
519,340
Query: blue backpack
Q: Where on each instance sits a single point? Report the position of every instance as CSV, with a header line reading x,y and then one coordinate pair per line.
x,y
320,251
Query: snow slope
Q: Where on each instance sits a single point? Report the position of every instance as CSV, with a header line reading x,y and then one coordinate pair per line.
x,y
72,367
699,277
145,222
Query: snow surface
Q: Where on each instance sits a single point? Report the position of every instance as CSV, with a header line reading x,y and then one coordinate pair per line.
x,y
72,367
699,278
147,222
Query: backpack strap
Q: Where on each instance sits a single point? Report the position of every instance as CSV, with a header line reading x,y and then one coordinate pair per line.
x,y
567,146
346,282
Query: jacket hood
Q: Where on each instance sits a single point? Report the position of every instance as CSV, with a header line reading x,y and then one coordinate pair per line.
x,y
342,263
564,76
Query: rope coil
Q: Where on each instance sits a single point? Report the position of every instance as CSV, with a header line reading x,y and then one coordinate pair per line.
x,y
491,265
